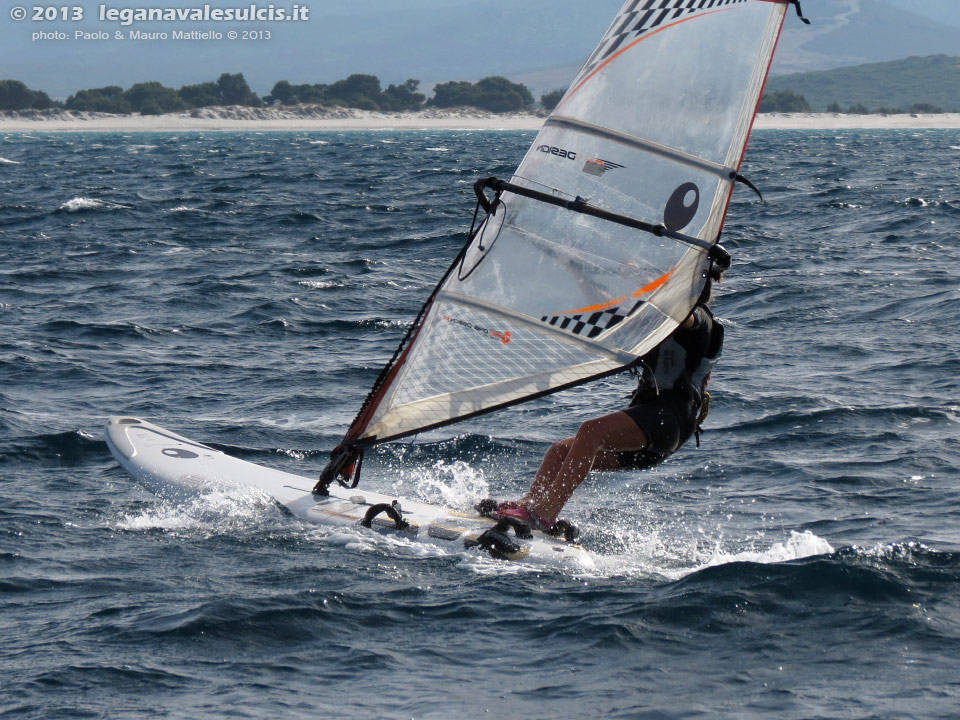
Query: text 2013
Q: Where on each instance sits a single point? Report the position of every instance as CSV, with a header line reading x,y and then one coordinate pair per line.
x,y
57,13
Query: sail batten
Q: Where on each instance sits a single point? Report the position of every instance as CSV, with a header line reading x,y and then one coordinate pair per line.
x,y
599,245
646,145
533,323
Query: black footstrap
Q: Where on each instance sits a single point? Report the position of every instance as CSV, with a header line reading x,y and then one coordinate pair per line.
x,y
392,510
486,507
497,540
561,528
565,529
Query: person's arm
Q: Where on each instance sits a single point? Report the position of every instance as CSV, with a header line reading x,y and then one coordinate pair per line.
x,y
697,318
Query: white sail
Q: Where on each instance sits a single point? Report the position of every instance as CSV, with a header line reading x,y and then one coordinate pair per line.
x,y
654,128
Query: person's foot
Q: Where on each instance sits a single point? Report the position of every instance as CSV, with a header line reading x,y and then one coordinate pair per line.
x,y
488,507
519,512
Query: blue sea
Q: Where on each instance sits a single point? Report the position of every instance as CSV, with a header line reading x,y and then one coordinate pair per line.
x,y
244,290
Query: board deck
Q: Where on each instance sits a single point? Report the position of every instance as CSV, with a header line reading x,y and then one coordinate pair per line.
x,y
168,462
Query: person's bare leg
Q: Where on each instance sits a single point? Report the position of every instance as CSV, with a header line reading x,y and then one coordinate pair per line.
x,y
549,467
550,491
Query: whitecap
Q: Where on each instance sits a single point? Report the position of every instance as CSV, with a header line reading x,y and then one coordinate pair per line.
x,y
321,284
4,161
798,545
222,509
659,554
80,204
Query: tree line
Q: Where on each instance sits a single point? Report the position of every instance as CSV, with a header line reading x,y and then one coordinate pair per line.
x,y
790,101
494,94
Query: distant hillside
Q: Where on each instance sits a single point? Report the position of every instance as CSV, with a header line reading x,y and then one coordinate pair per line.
x,y
944,12
853,32
933,80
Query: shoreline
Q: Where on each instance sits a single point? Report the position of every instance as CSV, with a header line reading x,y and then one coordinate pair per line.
x,y
317,118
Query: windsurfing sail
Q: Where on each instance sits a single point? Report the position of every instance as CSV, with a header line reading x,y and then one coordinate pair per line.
x,y
599,245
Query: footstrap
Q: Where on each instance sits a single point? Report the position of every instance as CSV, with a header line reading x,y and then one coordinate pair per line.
x,y
565,529
392,510
497,541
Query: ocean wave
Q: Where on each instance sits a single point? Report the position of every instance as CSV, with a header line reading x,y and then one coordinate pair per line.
x,y
74,329
83,204
323,284
223,509
69,448
786,540
299,218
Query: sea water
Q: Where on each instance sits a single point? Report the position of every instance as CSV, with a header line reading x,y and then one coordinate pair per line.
x,y
244,289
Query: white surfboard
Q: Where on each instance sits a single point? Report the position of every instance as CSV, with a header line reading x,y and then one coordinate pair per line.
x,y
167,462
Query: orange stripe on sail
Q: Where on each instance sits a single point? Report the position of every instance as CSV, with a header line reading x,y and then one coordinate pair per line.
x,y
654,285
621,51
650,287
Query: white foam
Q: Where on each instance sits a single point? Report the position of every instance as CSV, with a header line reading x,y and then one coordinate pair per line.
x,y
360,540
81,203
221,510
4,161
798,545
322,284
891,551
454,485
657,554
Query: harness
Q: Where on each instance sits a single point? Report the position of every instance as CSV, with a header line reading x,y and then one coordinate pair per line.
x,y
681,365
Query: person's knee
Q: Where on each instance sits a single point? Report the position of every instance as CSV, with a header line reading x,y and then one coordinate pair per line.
x,y
592,431
559,449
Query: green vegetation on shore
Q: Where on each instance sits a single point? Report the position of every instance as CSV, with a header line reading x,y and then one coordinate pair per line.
x,y
357,91
916,84
14,95
494,94
783,101
551,99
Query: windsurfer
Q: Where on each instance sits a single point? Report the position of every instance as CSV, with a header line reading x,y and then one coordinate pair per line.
x,y
663,413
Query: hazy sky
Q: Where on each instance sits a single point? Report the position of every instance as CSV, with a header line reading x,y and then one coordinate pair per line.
x,y
541,41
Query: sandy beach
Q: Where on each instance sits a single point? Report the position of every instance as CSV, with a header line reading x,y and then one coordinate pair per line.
x,y
838,121
318,118
299,118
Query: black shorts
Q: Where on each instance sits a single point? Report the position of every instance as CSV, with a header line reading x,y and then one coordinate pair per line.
x,y
667,421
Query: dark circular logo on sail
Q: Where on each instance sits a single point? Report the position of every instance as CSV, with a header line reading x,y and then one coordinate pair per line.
x,y
179,453
682,206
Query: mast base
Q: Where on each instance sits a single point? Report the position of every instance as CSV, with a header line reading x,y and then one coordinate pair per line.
x,y
344,467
